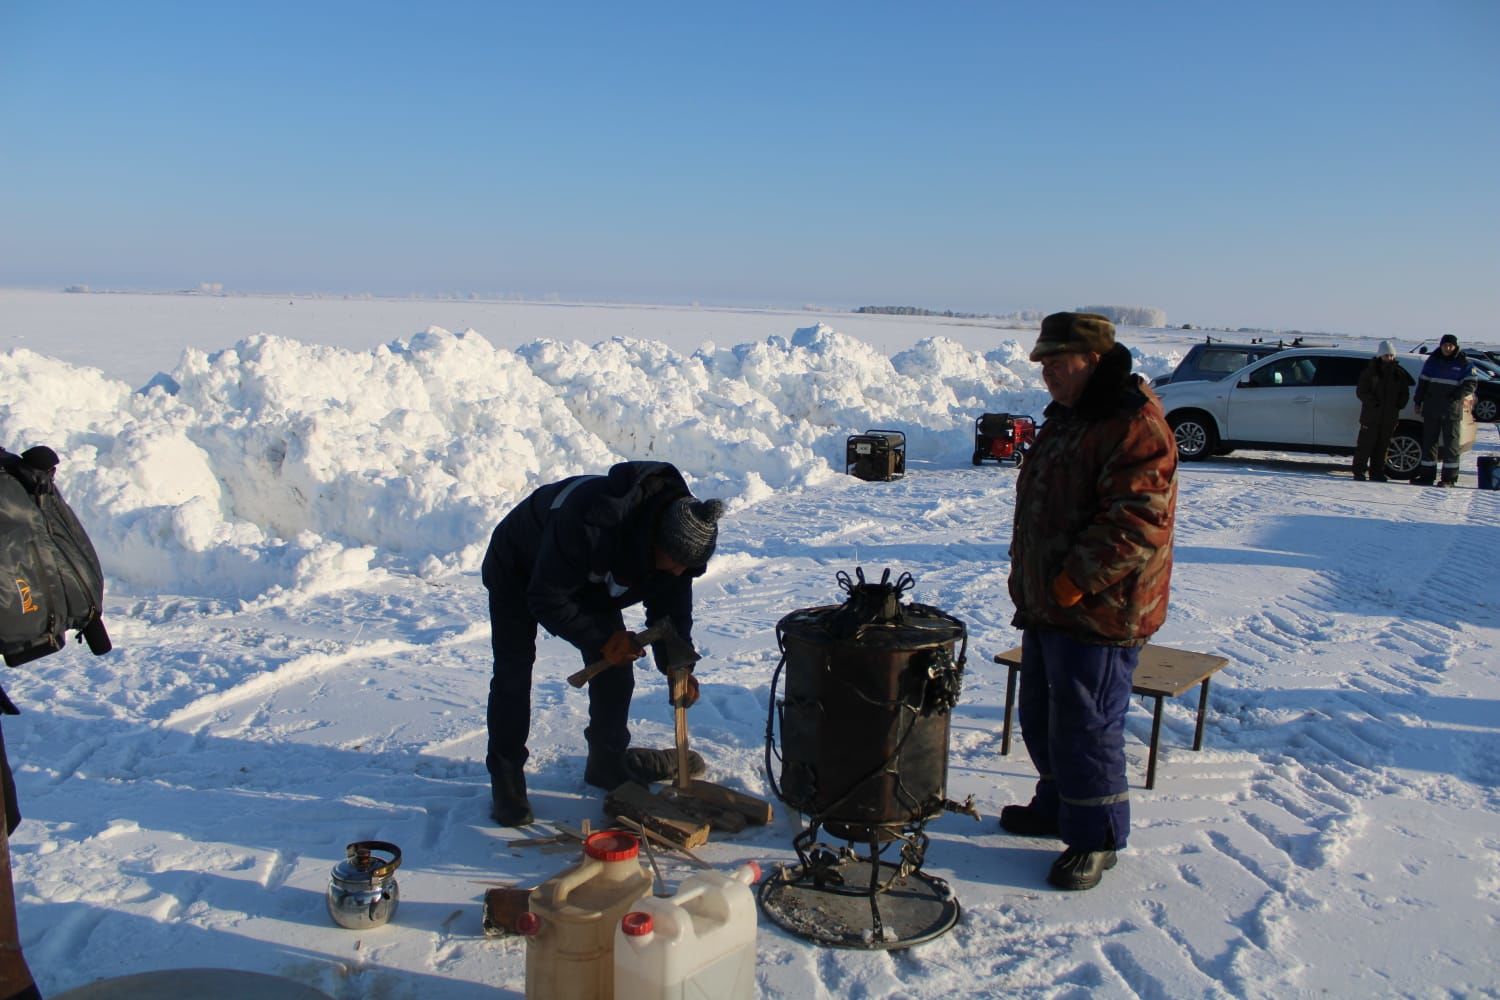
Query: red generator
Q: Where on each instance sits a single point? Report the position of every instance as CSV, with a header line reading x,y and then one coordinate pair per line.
x,y
1002,436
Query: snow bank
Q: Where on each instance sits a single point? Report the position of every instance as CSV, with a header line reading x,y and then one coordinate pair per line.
x,y
276,466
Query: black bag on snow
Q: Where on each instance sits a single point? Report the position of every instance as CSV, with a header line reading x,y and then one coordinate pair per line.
x,y
52,579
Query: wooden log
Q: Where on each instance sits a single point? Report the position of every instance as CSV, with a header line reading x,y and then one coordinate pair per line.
x,y
679,682
502,907
757,812
664,842
656,813
722,820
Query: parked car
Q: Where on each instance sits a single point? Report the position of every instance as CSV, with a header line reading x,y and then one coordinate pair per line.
x,y
1487,392
1214,359
1300,399
1482,353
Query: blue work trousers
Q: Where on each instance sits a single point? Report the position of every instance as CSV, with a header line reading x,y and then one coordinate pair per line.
x,y
1073,700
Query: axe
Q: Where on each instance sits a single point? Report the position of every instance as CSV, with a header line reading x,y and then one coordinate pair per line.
x,y
677,650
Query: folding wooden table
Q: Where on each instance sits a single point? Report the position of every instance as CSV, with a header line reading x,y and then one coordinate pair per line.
x,y
1162,672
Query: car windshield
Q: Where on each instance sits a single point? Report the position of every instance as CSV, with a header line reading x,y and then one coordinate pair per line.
x,y
1223,362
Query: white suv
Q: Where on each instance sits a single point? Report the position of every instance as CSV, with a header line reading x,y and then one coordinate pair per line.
x,y
1296,400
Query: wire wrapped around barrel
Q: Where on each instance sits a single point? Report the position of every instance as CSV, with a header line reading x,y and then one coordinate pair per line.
x,y
925,632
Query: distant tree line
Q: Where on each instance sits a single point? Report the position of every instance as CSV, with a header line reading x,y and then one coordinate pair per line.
x,y
1119,315
1027,315
1129,315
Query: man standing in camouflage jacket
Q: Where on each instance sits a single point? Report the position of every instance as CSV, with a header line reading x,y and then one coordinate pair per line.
x,y
1091,560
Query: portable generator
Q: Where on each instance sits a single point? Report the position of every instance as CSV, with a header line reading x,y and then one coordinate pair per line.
x,y
876,455
1002,436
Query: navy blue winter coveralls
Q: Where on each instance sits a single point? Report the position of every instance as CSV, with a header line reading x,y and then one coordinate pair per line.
x,y
1445,382
569,557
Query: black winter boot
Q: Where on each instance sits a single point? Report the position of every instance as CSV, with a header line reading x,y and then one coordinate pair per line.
x,y
648,766
1080,869
508,787
1027,821
605,769
611,770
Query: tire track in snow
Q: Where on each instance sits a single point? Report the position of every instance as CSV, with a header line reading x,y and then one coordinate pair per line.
x,y
68,937
261,685
1344,740
1216,970
1133,973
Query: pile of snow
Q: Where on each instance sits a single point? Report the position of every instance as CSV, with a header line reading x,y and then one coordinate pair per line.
x,y
276,466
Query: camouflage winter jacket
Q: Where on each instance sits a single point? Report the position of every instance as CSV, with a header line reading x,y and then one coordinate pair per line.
x,y
1097,497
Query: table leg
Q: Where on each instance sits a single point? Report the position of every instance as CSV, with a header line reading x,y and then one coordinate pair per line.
x,y
1010,701
1155,735
1202,710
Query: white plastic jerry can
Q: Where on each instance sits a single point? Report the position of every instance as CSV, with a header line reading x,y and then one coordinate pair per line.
x,y
572,919
698,943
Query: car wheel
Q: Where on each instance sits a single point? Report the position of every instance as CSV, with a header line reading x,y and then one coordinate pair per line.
x,y
978,457
1195,434
1486,410
1018,456
1404,454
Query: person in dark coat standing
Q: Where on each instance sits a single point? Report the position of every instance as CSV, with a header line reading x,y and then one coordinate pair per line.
x,y
1091,564
569,557
1383,389
1446,383
16,982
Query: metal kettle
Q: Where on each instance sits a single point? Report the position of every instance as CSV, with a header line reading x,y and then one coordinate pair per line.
x,y
362,891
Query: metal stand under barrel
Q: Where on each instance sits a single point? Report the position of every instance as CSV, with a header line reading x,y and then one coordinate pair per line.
x,y
870,685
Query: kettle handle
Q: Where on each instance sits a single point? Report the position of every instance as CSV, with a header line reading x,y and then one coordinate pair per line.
x,y
377,845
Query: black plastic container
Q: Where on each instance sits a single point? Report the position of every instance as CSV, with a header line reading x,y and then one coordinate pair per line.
x,y
1489,472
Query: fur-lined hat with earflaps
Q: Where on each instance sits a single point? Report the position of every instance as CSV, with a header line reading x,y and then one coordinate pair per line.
x,y
1074,333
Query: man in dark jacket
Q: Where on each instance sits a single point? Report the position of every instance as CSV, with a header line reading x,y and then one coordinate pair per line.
x,y
1383,389
1446,383
569,557
1091,562
15,975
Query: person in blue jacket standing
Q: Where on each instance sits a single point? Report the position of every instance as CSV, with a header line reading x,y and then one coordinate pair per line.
x,y
1447,380
569,557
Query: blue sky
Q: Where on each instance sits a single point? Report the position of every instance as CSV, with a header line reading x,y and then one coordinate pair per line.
x,y
1313,165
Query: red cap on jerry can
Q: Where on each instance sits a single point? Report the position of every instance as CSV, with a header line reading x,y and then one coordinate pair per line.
x,y
636,924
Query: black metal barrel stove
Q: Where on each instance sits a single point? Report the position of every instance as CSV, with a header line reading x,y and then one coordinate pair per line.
x,y
870,685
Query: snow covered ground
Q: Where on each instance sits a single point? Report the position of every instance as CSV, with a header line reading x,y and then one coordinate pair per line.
x,y
293,525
